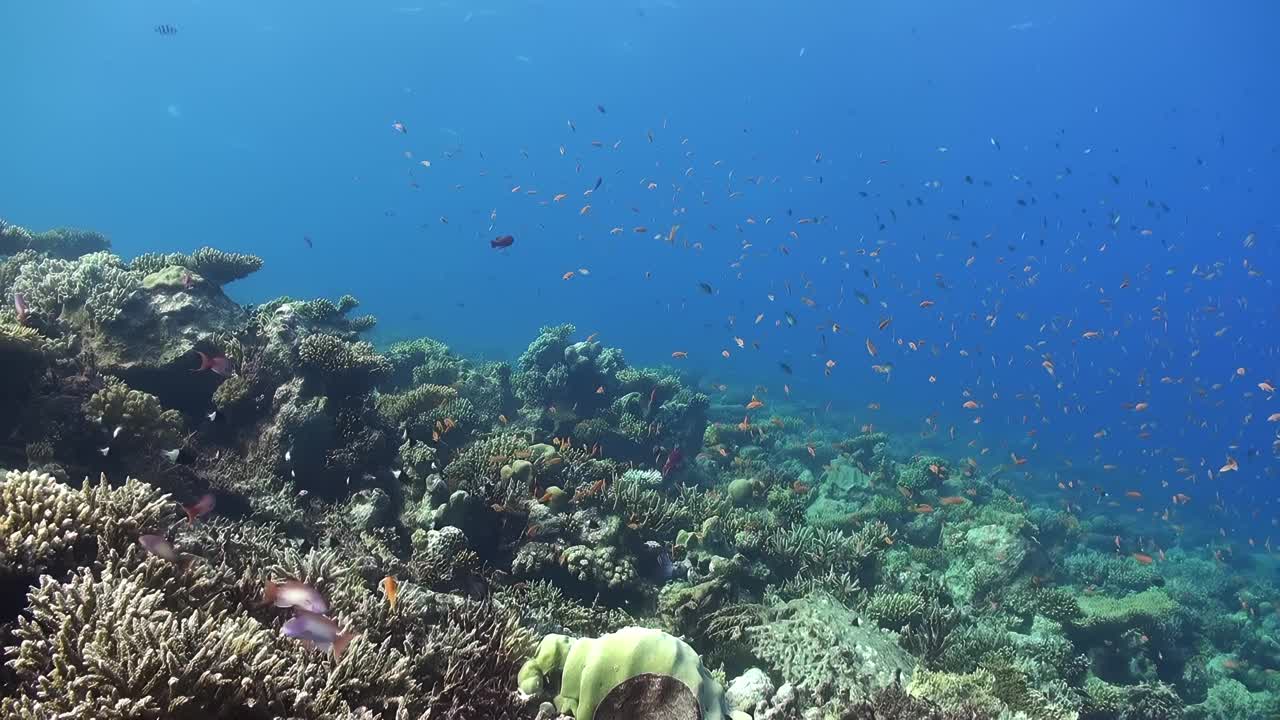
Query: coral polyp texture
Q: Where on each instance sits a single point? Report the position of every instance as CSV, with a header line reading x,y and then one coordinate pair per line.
x,y
223,511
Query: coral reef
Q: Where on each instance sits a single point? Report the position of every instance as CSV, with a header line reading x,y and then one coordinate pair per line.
x,y
446,513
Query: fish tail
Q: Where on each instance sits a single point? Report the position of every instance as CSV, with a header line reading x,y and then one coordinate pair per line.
x,y
340,644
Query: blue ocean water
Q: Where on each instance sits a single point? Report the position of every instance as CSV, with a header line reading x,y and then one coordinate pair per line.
x,y
1120,155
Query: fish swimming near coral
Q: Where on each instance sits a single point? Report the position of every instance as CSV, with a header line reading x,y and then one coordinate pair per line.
x,y
199,508
217,363
391,589
674,460
294,594
20,307
158,546
317,632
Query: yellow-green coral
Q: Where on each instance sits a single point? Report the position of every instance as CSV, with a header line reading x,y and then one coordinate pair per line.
x,y
406,406
139,415
17,338
1109,615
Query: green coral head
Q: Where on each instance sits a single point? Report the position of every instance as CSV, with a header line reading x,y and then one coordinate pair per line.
x,y
591,667
538,672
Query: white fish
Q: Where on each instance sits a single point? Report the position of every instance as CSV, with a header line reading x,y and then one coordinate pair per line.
x,y
212,416
172,455
158,546
105,450
116,433
288,455
396,474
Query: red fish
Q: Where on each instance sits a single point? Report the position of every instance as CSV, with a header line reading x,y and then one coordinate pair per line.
x,y
217,362
674,460
502,241
199,508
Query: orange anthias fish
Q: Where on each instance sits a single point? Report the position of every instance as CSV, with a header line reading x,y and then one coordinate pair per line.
x,y
391,589
755,403
952,500
1230,466
1143,558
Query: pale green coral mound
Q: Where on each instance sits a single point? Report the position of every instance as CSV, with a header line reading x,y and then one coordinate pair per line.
x,y
1111,616
957,690
590,667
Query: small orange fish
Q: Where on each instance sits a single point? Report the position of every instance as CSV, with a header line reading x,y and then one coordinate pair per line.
x,y
1143,558
567,275
923,508
952,500
755,403
600,390
679,354
391,589
970,405
1266,387
1132,494
1230,466
926,303
725,354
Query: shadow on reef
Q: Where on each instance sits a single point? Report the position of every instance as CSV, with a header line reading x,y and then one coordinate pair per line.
x,y
565,534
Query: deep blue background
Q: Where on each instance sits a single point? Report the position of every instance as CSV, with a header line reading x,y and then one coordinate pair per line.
x,y
259,123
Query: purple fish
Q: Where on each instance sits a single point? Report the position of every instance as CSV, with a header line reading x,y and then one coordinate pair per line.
x,y
294,594
158,546
318,632
20,306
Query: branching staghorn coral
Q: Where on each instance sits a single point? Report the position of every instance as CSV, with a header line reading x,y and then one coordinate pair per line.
x,y
112,644
45,523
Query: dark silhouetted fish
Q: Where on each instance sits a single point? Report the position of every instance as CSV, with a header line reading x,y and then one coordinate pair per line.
x,y
166,30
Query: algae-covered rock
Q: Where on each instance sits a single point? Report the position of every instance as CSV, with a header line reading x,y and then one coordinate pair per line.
x,y
590,668
988,556
820,642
